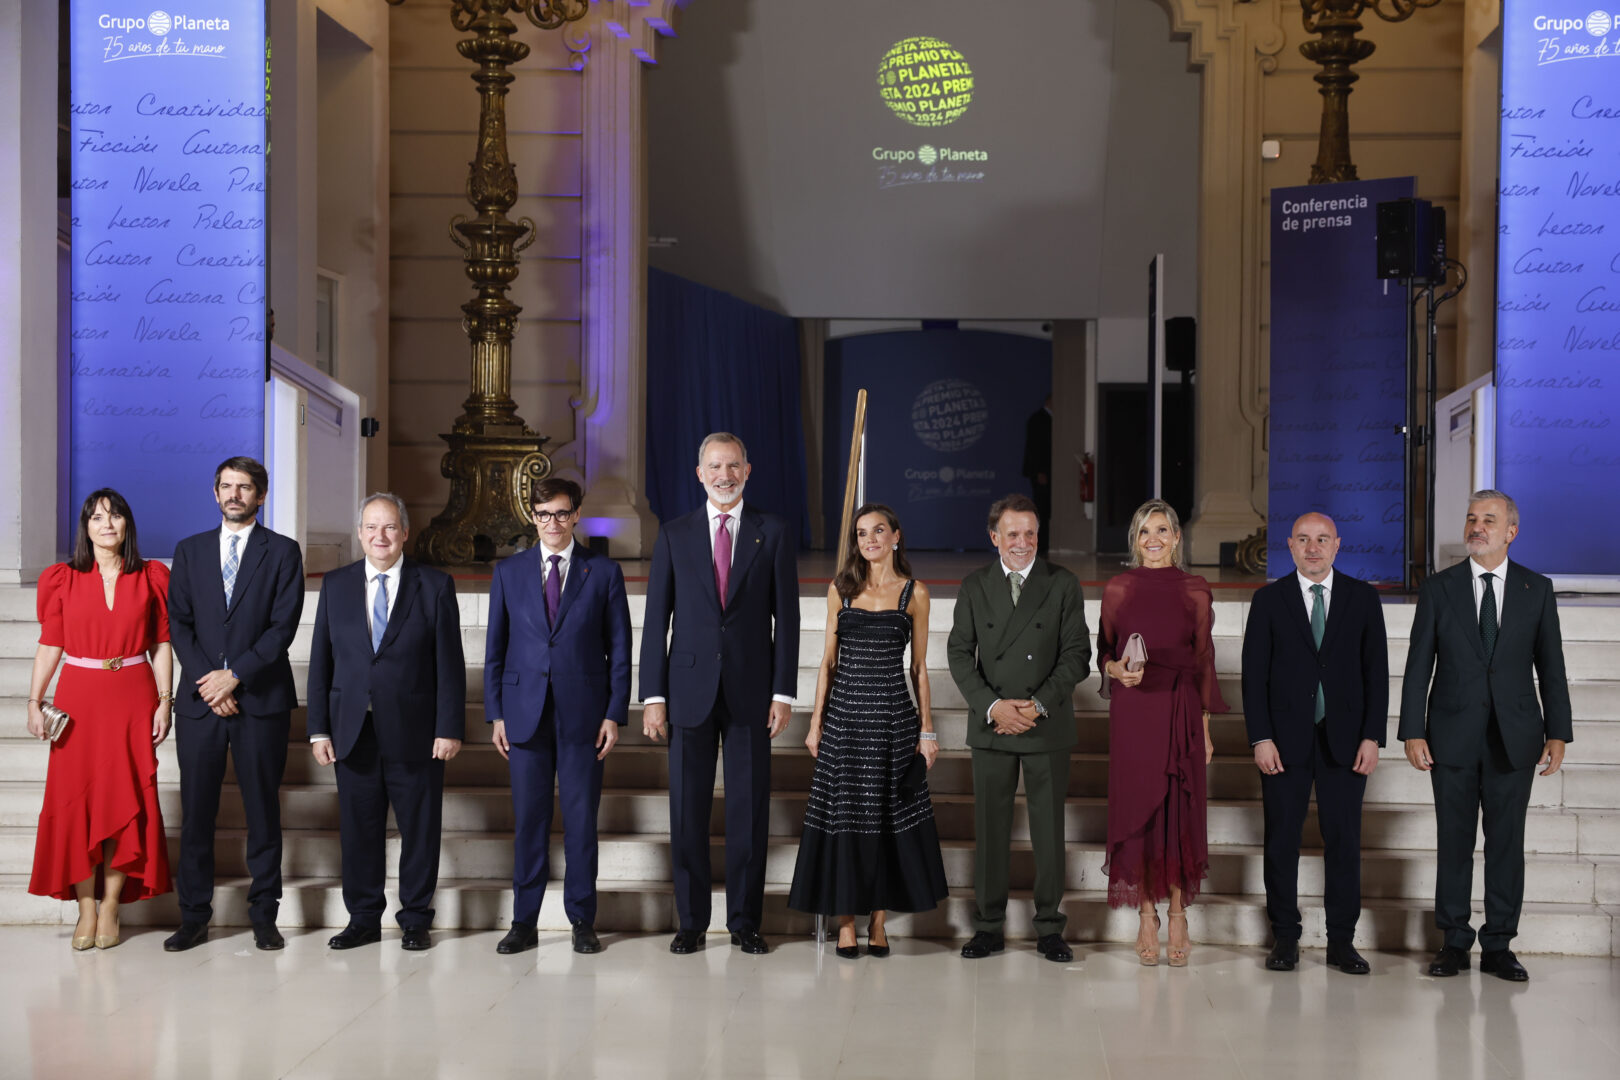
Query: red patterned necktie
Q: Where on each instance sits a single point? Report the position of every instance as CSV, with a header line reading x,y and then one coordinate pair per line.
x,y
722,558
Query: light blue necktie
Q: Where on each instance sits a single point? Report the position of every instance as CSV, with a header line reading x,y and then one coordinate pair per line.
x,y
379,612
231,563
1318,628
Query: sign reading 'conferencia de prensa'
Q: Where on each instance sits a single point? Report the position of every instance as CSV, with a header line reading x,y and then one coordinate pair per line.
x,y
1558,280
169,250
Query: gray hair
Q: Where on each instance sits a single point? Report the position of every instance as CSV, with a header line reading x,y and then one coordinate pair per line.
x,y
1156,506
387,497
1486,494
721,436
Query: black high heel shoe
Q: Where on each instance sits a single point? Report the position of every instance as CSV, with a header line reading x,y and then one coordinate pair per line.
x,y
848,952
875,951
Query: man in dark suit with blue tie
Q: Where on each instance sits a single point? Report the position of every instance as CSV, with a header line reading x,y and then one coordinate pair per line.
x,y
235,595
726,576
1486,632
388,705
1316,702
556,690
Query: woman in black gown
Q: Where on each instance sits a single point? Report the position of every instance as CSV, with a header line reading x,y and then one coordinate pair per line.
x,y
869,842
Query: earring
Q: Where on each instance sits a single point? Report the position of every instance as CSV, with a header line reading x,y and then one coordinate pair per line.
x,y
897,547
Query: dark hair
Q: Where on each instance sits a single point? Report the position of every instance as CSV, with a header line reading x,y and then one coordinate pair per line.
x,y
257,472
1013,504
84,555
851,576
554,487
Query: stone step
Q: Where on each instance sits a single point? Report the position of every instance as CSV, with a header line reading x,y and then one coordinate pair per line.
x,y
316,904
1234,869
636,811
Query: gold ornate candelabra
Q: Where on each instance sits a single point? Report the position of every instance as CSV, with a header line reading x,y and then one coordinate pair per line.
x,y
1337,47
494,457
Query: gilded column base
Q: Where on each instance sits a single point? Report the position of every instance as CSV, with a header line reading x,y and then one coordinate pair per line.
x,y
487,516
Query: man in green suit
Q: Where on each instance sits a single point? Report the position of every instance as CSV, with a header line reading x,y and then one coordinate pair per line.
x,y
1018,647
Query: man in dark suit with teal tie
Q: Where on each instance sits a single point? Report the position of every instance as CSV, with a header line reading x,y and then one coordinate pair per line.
x,y
1485,630
1017,648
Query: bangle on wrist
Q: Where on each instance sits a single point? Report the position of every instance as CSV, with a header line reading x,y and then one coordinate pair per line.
x,y
929,736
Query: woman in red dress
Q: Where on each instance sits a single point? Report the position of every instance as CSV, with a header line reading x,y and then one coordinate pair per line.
x,y
1158,730
104,615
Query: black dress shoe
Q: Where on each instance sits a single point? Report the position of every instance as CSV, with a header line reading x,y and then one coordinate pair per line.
x,y
585,939
1284,955
518,939
189,936
1504,965
415,939
267,937
686,941
1447,962
352,937
982,944
751,941
1343,955
1054,948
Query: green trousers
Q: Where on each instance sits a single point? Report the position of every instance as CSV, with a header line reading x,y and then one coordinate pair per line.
x,y
995,789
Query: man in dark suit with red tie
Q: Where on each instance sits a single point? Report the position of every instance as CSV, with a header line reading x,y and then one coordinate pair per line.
x,y
1486,631
556,692
387,706
726,576
235,595
1316,703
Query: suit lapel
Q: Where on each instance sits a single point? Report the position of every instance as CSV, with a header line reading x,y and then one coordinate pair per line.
x,y
998,606
1460,582
1515,588
1036,580
251,558
402,605
1337,612
349,594
750,538
1294,602
574,583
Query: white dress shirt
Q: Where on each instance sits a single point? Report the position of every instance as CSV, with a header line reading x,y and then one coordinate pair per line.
x,y
734,514
243,534
566,560
372,576
1500,593
1305,584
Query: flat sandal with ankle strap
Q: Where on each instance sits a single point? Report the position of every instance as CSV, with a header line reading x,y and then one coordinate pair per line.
x,y
1146,957
1178,957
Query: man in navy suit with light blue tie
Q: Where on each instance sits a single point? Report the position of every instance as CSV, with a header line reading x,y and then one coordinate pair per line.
x,y
556,690
726,575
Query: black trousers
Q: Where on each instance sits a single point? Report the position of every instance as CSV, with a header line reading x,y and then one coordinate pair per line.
x,y
257,747
1287,798
692,754
1489,784
368,784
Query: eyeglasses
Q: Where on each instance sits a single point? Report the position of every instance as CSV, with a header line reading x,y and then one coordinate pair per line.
x,y
544,517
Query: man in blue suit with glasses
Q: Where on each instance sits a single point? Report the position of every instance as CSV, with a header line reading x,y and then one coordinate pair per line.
x,y
556,690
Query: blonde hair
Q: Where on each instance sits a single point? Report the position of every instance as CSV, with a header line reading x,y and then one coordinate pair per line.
x,y
1156,506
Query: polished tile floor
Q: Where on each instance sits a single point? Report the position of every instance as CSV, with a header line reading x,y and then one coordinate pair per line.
x,y
225,1011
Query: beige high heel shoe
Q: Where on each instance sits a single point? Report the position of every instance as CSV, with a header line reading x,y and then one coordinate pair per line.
x,y
1178,955
1148,957
82,942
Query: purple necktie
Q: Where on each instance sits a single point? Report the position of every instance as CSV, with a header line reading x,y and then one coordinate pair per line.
x,y
722,558
553,589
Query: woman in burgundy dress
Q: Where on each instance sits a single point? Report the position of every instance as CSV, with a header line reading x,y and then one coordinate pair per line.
x,y
104,615
1158,730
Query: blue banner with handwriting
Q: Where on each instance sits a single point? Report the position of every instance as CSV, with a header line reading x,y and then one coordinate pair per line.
x,y
1338,376
1558,282
169,253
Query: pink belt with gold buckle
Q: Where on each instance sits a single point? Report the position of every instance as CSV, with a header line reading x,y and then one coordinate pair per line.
x,y
105,665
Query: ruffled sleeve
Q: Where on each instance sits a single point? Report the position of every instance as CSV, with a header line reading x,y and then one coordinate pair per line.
x,y
1203,609
53,585
157,582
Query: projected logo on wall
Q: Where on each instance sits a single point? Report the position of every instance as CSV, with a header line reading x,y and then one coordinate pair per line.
x,y
928,84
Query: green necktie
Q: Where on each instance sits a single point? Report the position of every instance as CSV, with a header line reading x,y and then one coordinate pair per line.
x,y
1017,581
1487,617
1318,628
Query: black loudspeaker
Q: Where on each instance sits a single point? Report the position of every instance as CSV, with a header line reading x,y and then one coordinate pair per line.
x,y
1406,239
1181,344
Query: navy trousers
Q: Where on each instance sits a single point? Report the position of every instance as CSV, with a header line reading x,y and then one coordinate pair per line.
x,y
538,766
368,784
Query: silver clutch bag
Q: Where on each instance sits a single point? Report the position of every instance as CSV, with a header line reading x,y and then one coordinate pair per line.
x,y
1135,656
56,721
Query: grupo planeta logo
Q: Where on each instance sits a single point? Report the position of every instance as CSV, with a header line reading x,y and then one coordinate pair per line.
x,y
925,82
159,23
1597,23
949,415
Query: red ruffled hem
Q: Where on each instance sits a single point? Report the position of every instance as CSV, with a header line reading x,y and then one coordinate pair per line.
x,y
69,846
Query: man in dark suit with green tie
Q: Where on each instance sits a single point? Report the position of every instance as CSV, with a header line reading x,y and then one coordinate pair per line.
x,y
1484,629
1018,647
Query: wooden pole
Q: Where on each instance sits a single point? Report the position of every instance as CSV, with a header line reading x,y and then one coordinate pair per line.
x,y
852,476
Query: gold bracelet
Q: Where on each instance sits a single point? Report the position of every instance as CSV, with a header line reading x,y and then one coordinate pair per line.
x,y
165,695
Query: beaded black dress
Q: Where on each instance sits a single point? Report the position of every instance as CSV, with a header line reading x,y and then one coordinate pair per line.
x,y
869,839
